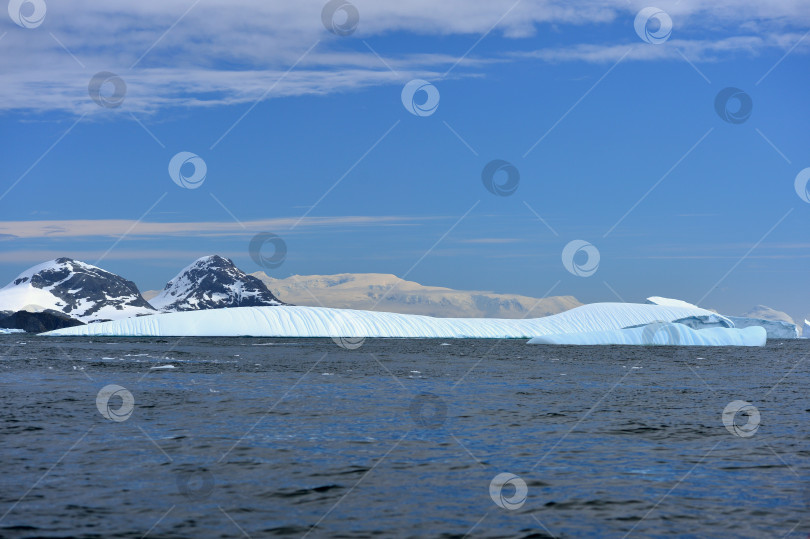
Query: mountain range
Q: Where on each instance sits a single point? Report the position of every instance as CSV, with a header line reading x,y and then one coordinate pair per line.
x,y
389,293
64,292
85,293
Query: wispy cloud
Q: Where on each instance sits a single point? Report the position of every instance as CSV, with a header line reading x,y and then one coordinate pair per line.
x,y
491,240
40,255
224,52
696,50
95,228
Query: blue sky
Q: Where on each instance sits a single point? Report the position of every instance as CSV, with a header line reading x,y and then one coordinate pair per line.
x,y
292,120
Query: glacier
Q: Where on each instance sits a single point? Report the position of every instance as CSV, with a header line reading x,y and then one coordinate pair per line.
x,y
292,321
662,335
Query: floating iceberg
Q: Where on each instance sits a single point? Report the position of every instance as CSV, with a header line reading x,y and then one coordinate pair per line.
x,y
776,329
806,329
659,334
289,321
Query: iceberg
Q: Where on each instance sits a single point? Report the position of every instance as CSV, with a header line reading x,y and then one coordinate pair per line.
x,y
776,329
295,321
662,335
806,329
777,325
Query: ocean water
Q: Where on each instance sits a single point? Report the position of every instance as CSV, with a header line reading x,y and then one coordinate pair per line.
x,y
400,438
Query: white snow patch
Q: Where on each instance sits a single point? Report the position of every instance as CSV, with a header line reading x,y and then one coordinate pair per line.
x,y
668,302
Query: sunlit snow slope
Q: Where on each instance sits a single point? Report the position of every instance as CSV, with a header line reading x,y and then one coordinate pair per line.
x,y
79,290
288,321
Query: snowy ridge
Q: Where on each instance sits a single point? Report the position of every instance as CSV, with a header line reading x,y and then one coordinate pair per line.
x,y
657,300
670,334
761,312
212,282
77,289
288,321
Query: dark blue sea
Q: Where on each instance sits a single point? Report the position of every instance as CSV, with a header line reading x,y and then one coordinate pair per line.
x,y
170,438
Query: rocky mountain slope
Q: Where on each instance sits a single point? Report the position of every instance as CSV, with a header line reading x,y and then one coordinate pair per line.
x,y
212,282
79,290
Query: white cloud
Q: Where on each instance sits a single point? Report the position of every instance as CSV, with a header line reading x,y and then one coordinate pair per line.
x,y
39,255
695,50
222,52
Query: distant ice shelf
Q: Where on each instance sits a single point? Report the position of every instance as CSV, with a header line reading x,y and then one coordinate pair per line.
x,y
289,321
7,331
662,335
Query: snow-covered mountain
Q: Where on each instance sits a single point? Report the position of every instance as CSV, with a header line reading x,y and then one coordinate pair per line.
x,y
778,324
766,313
79,290
389,293
213,282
